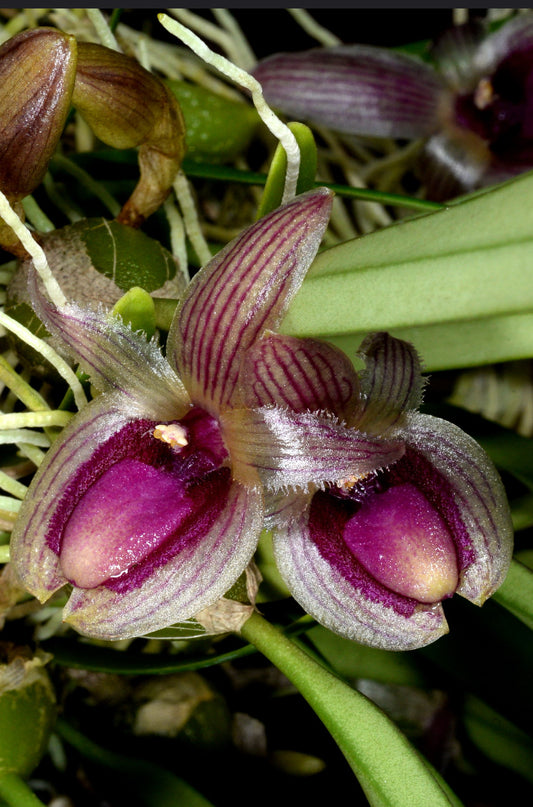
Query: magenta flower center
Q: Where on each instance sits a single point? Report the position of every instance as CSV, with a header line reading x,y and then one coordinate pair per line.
x,y
148,492
123,517
404,543
500,110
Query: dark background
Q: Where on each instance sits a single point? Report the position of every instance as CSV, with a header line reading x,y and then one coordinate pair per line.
x,y
271,30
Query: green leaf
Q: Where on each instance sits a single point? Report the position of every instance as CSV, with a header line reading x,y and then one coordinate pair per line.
x,y
456,282
516,593
390,771
129,257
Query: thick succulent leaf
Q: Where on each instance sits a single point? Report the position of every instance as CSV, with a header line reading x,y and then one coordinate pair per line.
x,y
410,279
334,602
299,374
478,495
116,358
35,563
242,292
357,89
391,383
516,35
290,449
192,580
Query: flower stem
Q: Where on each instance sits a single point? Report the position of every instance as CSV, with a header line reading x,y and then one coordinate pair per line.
x,y
389,769
14,791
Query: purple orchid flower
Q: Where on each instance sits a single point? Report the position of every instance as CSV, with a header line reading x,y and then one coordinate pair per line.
x,y
475,109
372,555
149,504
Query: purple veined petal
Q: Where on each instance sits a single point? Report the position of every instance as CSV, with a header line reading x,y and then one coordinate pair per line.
x,y
356,89
116,358
36,564
453,162
240,293
485,535
298,374
355,610
191,580
515,35
391,383
287,449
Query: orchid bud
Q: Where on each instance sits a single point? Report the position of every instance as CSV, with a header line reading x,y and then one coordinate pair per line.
x,y
37,70
27,709
126,106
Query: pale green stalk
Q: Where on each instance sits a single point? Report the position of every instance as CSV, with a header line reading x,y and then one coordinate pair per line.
x,y
24,436
34,250
35,215
24,392
12,486
48,353
19,420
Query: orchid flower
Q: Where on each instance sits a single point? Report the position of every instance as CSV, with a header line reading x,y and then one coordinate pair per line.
x,y
474,109
372,555
149,504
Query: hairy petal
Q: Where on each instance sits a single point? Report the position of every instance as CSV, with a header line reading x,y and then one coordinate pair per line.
x,y
193,579
299,374
357,89
240,293
35,563
332,600
289,449
116,358
478,495
391,383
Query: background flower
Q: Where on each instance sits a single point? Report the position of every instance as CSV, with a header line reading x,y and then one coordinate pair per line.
x,y
474,108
